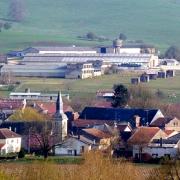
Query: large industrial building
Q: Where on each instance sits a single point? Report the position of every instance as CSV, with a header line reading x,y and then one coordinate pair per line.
x,y
54,61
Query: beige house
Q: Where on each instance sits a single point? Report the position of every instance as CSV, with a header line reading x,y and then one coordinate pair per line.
x,y
153,61
142,139
174,124
167,123
81,71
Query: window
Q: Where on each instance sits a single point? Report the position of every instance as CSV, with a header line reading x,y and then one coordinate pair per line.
x,y
69,152
12,141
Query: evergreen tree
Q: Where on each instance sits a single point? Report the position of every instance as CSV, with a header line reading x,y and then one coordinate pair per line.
x,y
121,96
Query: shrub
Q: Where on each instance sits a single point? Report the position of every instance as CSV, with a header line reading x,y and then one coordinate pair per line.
x,y
21,154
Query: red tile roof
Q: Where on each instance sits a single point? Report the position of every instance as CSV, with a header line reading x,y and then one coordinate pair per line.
x,y
97,133
6,133
10,104
51,107
143,135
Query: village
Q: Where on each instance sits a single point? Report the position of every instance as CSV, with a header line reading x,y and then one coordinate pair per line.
x,y
46,124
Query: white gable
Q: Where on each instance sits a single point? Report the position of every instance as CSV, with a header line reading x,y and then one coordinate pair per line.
x,y
127,129
157,115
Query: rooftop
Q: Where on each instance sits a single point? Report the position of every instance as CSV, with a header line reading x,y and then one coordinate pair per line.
x,y
6,133
118,114
97,133
143,135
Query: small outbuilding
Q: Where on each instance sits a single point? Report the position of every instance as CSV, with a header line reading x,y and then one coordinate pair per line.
x,y
170,73
73,146
144,78
162,74
135,80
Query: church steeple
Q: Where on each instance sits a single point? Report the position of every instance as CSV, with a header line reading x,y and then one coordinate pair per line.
x,y
59,104
60,119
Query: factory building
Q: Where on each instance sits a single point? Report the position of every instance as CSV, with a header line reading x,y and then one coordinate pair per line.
x,y
55,65
73,61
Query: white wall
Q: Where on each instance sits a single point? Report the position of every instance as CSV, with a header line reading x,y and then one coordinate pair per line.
x,y
11,145
130,50
67,52
161,151
71,144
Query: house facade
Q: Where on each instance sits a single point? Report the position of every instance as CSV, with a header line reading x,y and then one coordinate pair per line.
x,y
73,146
10,142
167,123
82,71
141,142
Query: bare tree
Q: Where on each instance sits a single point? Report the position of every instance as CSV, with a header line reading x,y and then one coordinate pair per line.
x,y
17,10
43,138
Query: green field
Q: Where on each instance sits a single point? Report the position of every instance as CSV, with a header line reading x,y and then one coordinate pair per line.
x,y
89,87
156,22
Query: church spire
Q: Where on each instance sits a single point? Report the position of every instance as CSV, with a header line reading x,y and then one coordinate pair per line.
x,y
59,104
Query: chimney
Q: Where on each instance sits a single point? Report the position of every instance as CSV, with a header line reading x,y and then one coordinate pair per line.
x,y
10,128
137,120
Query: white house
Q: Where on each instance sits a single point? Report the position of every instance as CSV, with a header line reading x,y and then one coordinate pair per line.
x,y
155,143
164,147
141,140
73,146
10,142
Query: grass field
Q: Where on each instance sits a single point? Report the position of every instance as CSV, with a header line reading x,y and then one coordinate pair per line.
x,y
156,22
89,87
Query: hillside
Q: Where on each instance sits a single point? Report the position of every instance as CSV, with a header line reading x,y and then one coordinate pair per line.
x,y
156,22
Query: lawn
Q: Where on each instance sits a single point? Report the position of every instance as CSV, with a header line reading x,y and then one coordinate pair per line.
x,y
86,87
156,22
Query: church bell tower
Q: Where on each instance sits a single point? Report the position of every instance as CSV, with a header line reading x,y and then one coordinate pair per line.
x,y
60,120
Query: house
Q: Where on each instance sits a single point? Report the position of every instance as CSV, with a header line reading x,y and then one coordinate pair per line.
x,y
169,62
166,147
119,115
124,130
167,123
141,141
82,70
79,71
100,138
8,106
73,146
10,142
